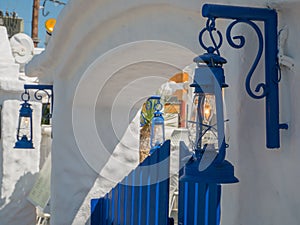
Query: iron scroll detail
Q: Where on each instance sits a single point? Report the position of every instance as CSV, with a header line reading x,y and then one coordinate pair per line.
x,y
261,87
211,29
39,92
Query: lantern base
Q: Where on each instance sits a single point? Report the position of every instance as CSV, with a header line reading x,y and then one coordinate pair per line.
x,y
222,173
24,144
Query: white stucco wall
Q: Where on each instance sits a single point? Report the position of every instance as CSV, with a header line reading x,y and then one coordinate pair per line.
x,y
18,167
94,102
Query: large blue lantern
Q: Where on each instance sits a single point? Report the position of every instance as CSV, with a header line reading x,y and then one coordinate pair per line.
x,y
24,130
157,133
208,164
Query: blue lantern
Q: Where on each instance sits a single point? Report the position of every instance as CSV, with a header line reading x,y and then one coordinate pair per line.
x,y
208,122
24,131
157,133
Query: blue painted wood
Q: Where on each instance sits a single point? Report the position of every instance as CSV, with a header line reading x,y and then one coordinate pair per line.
x,y
141,198
130,202
163,177
144,192
198,203
183,153
106,209
123,200
181,203
212,204
202,189
191,203
116,204
137,198
110,207
153,191
96,210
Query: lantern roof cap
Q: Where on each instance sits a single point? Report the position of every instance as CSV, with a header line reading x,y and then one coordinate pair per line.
x,y
158,113
154,97
210,58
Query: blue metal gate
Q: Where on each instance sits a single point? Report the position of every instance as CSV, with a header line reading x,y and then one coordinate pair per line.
x,y
141,198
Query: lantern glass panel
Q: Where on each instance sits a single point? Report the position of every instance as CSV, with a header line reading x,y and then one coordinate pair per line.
x,y
24,128
203,122
157,132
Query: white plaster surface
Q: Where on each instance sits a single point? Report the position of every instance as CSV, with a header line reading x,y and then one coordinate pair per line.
x,y
19,167
6,55
8,69
269,179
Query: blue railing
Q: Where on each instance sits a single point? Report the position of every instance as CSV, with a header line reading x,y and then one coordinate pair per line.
x,y
199,204
141,198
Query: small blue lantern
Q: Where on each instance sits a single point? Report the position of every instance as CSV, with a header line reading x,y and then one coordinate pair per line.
x,y
157,133
24,131
208,123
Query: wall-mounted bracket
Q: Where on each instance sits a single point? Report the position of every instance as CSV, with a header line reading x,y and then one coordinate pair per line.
x,y
40,91
268,42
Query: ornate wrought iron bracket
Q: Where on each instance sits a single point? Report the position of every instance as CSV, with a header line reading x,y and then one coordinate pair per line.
x,y
40,91
269,89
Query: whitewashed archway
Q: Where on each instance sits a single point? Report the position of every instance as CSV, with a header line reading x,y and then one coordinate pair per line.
x,y
102,62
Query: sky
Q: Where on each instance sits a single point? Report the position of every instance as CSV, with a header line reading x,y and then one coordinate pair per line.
x,y
24,10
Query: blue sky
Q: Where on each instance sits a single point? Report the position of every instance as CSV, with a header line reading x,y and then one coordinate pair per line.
x,y
24,10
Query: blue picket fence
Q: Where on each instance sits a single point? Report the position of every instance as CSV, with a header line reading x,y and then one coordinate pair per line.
x,y
199,204
141,198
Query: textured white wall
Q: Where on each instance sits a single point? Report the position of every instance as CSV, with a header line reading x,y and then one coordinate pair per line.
x,y
18,167
80,61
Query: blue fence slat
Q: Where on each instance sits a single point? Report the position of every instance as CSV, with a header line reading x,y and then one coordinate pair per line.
x,y
153,192
129,209
123,200
213,203
144,192
116,205
137,197
191,203
96,211
163,176
196,204
181,193
110,207
106,209
202,189
183,153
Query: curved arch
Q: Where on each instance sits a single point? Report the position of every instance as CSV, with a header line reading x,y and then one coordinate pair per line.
x,y
79,38
114,32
